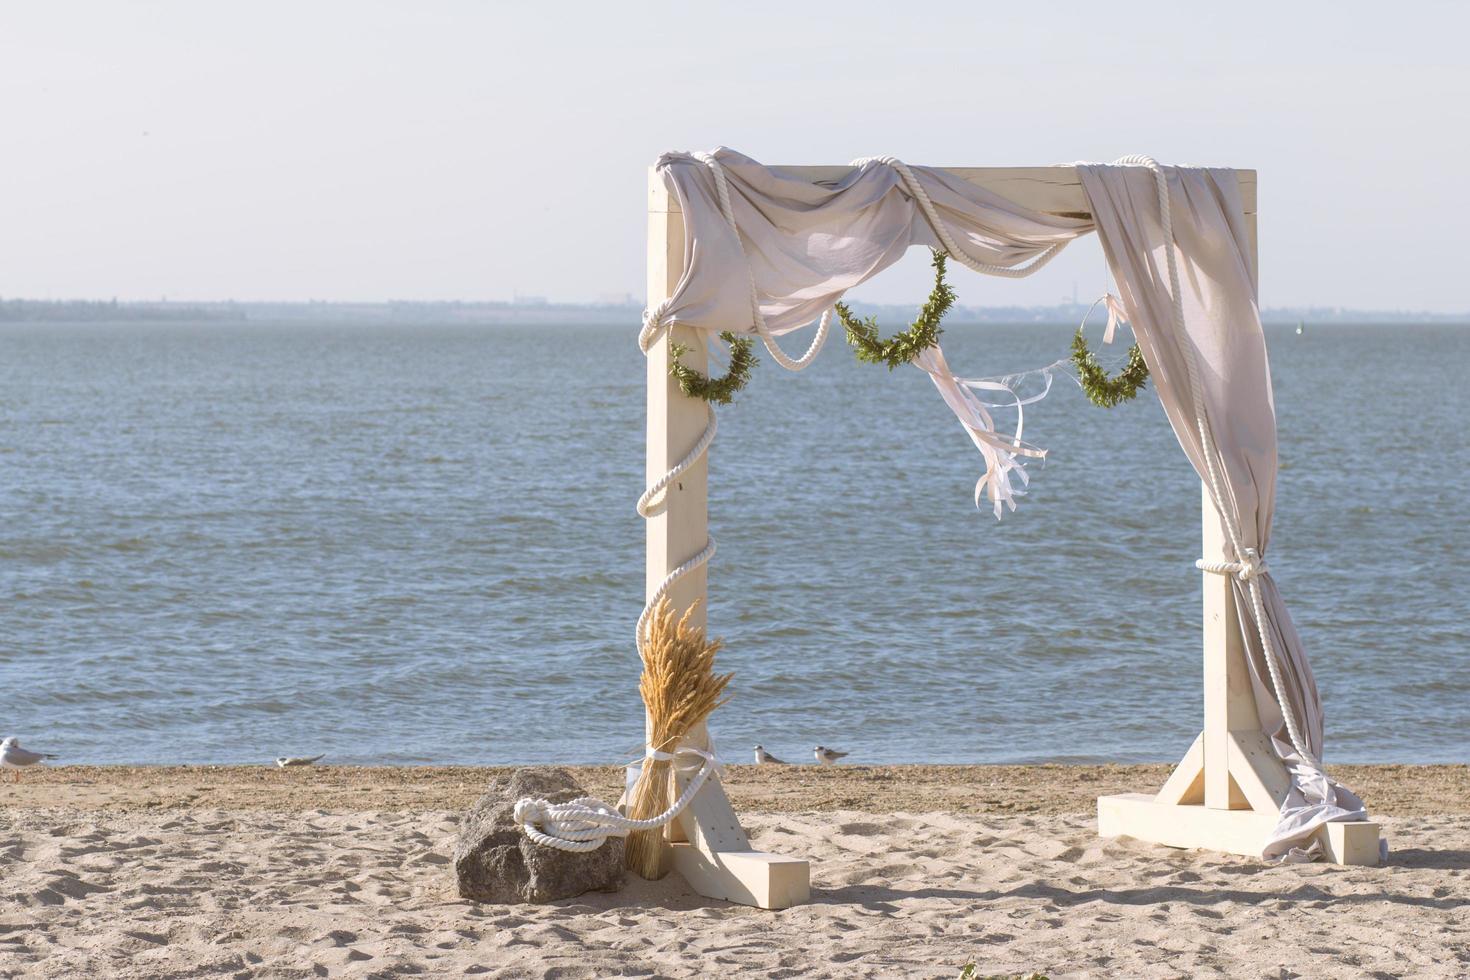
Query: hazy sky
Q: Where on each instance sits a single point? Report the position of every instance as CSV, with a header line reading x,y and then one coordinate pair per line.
x,y
435,149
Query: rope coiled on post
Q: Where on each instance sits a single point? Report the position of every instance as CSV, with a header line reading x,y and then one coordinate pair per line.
x,y
656,321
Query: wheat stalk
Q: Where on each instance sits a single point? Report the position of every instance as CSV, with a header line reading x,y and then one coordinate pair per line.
x,y
680,689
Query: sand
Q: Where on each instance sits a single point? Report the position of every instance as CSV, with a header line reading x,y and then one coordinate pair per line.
x,y
345,872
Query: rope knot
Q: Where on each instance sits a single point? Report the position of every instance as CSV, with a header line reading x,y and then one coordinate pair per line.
x,y
530,810
1251,564
1249,567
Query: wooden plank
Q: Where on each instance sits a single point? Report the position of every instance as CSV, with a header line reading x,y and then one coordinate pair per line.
x,y
1054,190
1245,832
1256,772
675,422
709,821
1137,815
1352,843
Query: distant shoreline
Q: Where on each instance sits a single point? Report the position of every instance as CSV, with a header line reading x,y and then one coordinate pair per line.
x,y
577,314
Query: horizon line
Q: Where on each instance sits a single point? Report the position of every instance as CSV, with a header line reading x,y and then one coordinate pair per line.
x,y
631,303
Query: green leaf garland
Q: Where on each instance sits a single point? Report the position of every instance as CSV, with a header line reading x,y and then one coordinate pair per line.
x,y
904,347
1101,390
723,388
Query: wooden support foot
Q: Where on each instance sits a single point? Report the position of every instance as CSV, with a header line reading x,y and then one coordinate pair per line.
x,y
713,852
1142,816
1352,843
1226,793
767,881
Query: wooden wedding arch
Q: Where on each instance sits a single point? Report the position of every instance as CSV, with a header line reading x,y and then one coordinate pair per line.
x,y
1227,792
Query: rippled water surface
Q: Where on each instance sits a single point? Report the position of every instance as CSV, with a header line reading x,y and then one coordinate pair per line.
x,y
418,544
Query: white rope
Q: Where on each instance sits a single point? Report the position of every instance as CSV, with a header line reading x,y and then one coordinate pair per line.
x,y
656,321
649,504
1249,566
722,192
583,824
702,557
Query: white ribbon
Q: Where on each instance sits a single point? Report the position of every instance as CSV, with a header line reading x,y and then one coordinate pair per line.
x,y
1005,477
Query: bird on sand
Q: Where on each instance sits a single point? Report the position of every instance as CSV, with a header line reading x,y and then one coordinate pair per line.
x,y
290,761
12,756
826,756
764,758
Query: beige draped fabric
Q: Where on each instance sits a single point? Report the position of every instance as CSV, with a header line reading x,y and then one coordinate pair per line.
x,y
800,246
1222,329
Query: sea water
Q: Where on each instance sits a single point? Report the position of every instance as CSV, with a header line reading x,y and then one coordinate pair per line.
x,y
417,544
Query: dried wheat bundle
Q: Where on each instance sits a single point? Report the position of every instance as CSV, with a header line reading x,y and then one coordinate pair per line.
x,y
680,690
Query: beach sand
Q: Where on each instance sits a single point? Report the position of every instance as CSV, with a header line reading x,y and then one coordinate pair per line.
x,y
916,870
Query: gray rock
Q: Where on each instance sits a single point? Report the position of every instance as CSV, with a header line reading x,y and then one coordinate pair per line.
x,y
494,860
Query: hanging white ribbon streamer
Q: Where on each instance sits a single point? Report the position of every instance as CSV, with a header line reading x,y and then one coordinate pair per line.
x,y
1114,306
1005,477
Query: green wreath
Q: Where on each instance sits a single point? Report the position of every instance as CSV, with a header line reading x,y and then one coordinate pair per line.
x,y
723,388
1101,390
904,347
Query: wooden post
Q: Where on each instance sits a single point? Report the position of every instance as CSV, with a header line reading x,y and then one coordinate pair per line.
x,y
1230,705
711,849
1227,791
675,421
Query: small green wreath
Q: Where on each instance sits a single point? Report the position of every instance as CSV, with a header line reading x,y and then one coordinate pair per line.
x,y
1101,390
723,388
904,347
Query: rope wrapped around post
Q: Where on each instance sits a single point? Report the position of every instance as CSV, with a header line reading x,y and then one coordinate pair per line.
x,y
1250,566
655,322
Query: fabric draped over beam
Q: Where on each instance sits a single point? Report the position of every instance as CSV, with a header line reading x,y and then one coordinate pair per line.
x,y
802,245
807,244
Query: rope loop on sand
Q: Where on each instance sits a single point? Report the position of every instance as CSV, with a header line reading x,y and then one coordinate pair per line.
x,y
583,824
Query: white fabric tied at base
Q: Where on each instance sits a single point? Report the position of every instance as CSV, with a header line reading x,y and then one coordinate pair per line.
x,y
796,247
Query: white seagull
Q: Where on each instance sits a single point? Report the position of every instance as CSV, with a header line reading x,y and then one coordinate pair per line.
x,y
827,756
289,761
764,758
12,756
